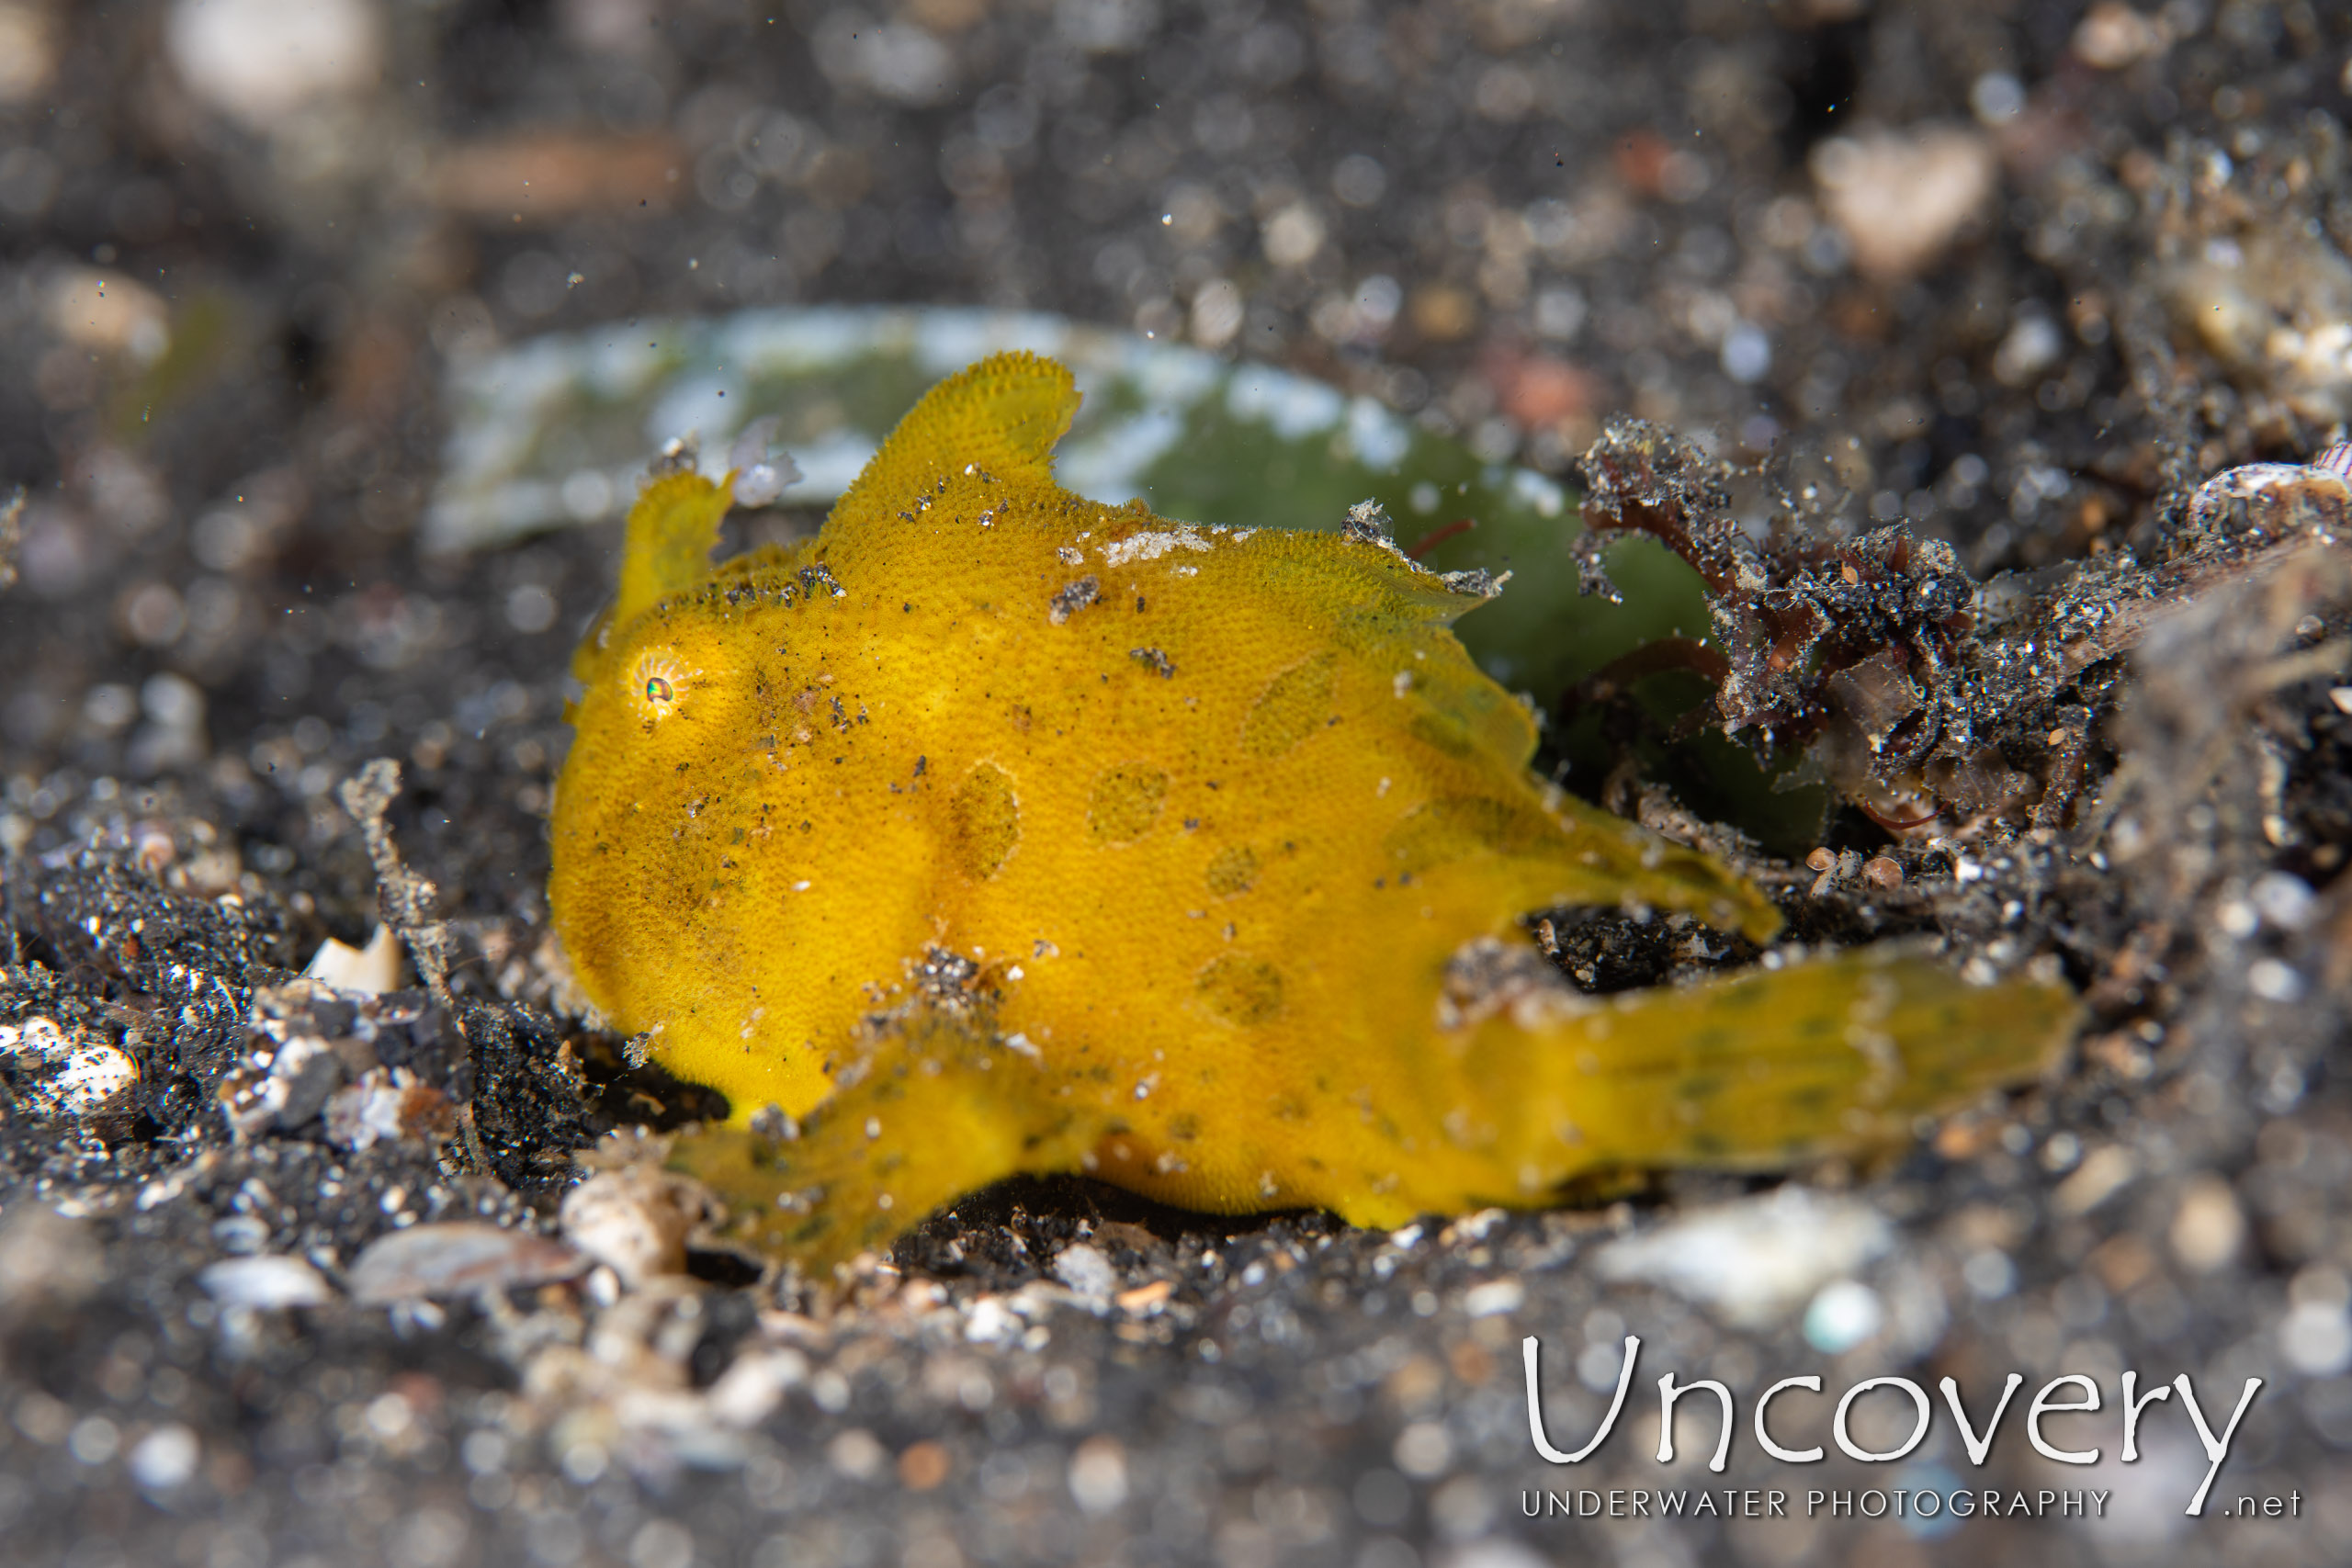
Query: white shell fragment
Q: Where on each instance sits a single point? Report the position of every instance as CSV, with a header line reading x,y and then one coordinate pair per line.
x,y
373,969
58,1073
1753,1260
270,1283
456,1260
634,1219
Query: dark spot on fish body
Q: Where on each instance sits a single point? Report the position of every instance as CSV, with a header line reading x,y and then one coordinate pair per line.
x,y
1242,990
1292,706
1126,801
1451,827
985,818
1444,733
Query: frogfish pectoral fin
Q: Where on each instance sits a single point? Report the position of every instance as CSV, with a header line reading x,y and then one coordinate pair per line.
x,y
937,1107
1757,1072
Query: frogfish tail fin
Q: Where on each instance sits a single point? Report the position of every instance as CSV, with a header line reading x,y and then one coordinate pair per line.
x,y
1755,1072
1000,417
936,1108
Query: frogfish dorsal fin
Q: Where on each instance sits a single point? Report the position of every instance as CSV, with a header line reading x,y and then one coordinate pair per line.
x,y
1000,416
671,530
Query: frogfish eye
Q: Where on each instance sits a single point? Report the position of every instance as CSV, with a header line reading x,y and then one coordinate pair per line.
x,y
657,690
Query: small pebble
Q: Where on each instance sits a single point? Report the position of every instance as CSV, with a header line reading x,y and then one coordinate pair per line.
x,y
2316,1338
1842,1315
2113,35
1088,1273
2208,1227
1495,1298
165,1458
45,1259
260,61
63,1074
1901,199
109,313
1098,1474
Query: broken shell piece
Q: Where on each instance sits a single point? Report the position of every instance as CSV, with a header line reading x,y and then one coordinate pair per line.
x,y
458,1258
373,969
2274,500
1753,1259
634,1219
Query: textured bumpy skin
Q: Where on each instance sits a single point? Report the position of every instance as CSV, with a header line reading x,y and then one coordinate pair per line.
x,y
1004,831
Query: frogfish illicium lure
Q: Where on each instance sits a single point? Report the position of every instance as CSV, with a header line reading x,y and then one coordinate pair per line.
x,y
995,830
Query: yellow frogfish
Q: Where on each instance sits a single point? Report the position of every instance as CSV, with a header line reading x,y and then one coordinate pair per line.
x,y
997,831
